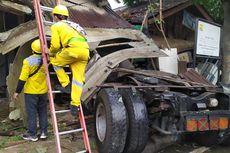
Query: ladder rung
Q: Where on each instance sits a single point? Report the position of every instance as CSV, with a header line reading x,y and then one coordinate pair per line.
x,y
62,111
45,8
71,131
57,91
48,23
53,73
82,151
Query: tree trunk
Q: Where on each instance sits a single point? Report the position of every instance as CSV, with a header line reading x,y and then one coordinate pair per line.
x,y
226,43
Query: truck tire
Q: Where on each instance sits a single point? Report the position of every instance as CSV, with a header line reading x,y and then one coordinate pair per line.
x,y
138,121
110,121
208,138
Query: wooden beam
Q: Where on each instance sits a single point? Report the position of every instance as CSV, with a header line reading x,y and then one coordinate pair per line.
x,y
171,11
14,8
204,13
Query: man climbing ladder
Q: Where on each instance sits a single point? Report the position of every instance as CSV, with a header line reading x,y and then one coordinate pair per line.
x,y
74,52
74,55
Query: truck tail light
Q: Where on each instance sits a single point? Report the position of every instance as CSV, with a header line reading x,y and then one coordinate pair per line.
x,y
191,125
203,124
214,124
223,123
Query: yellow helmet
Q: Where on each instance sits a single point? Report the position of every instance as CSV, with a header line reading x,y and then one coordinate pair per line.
x,y
36,46
61,10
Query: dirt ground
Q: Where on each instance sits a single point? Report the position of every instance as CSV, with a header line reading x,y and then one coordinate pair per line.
x,y
73,143
68,146
69,143
47,146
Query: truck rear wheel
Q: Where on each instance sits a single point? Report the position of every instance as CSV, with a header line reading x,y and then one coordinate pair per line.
x,y
110,121
138,121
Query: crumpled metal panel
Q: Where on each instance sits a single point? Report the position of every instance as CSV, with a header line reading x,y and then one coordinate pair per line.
x,y
28,31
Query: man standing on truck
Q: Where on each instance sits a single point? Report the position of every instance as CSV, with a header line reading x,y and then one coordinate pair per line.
x,y
70,38
33,80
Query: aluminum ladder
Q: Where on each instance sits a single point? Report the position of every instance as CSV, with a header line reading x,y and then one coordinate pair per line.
x,y
45,56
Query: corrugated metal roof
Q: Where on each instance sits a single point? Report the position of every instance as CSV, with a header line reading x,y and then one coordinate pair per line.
x,y
87,13
136,14
93,19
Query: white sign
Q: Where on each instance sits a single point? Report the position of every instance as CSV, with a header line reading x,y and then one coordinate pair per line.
x,y
208,39
170,63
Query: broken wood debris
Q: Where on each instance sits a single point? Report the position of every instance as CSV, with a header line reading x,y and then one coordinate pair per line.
x,y
7,133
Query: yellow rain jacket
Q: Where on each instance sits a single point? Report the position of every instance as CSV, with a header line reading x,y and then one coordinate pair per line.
x,y
74,52
69,37
35,84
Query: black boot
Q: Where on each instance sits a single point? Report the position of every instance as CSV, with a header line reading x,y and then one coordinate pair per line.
x,y
74,110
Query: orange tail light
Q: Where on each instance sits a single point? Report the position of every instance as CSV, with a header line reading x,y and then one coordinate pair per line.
x,y
214,124
191,125
203,124
223,123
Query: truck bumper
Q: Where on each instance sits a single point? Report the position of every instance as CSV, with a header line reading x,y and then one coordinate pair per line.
x,y
206,120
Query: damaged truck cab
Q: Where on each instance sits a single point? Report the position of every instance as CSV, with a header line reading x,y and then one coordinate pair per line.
x,y
133,102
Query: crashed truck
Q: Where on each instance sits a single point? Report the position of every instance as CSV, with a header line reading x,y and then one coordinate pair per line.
x,y
136,107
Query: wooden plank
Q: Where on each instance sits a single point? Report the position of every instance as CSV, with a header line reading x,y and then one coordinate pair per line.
x,y
12,78
14,8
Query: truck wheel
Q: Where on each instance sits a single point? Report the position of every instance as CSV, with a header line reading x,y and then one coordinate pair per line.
x,y
110,122
138,121
208,138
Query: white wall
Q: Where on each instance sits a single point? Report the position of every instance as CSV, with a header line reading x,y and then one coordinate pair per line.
x,y
114,4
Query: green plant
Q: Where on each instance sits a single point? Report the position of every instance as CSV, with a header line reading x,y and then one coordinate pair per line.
x,y
4,126
214,7
5,140
131,2
14,138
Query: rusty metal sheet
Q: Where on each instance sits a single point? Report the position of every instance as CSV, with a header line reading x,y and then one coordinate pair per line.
x,y
192,75
92,19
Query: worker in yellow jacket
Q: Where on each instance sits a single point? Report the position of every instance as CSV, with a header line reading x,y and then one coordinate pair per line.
x,y
69,47
33,80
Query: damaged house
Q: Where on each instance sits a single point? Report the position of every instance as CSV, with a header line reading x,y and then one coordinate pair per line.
x,y
179,25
